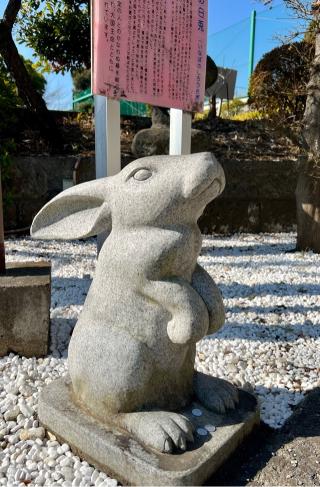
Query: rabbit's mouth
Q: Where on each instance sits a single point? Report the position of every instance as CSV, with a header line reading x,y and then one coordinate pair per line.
x,y
213,189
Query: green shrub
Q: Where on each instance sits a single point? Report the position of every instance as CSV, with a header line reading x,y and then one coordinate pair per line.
x,y
9,97
234,107
81,80
244,116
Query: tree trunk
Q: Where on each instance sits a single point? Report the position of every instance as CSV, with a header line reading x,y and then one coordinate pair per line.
x,y
26,90
213,108
308,188
308,208
2,251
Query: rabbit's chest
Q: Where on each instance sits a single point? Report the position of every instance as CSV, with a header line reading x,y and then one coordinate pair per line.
x,y
174,257
153,254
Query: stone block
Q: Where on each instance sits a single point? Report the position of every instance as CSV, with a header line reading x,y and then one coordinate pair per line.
x,y
25,294
123,457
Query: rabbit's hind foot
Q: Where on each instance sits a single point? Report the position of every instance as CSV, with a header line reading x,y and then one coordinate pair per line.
x,y
215,394
161,430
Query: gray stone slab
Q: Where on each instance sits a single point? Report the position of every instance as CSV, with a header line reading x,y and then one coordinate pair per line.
x,y
25,295
122,456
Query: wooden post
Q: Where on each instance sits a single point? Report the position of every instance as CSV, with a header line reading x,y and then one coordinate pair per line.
x,y
107,142
180,132
2,250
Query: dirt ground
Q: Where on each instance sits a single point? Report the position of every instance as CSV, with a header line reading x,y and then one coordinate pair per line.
x,y
235,140
287,457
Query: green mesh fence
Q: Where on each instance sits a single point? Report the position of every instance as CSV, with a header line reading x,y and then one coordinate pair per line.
x,y
230,48
82,100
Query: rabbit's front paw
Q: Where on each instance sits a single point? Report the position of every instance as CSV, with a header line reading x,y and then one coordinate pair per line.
x,y
184,329
180,333
161,430
218,395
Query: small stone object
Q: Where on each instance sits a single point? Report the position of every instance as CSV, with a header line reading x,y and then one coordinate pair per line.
x,y
202,432
210,428
196,412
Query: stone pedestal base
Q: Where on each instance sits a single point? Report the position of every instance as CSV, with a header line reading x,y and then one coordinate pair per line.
x,y
25,295
123,457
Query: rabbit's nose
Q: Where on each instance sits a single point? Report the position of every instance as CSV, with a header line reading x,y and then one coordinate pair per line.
x,y
205,172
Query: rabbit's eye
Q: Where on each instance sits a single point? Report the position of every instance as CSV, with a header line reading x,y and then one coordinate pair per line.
x,y
142,175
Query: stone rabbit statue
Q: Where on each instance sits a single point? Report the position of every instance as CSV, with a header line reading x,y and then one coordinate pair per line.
x,y
131,356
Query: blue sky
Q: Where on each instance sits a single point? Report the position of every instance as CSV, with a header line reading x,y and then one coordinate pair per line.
x,y
228,41
223,13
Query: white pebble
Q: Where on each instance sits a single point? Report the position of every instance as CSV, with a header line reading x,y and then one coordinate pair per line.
x,y
94,476
32,434
66,462
52,452
26,410
40,480
12,414
68,473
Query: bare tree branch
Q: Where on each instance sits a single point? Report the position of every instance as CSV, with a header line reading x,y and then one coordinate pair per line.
x,y
301,9
305,12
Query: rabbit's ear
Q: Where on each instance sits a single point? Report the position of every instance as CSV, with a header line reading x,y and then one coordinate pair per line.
x,y
78,212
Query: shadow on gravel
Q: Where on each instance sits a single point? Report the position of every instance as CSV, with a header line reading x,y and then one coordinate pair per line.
x,y
257,249
68,291
279,310
237,289
289,456
232,330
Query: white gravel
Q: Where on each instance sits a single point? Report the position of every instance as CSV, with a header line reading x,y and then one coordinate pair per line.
x,y
271,343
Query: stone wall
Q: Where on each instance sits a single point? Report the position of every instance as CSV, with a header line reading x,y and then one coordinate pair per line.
x,y
35,180
259,196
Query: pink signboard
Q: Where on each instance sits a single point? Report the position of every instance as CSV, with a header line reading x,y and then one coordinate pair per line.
x,y
151,51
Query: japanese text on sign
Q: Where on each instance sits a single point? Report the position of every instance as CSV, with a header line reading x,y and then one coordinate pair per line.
x,y
151,51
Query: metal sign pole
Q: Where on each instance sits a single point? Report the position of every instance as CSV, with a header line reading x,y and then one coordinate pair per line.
x,y
107,142
107,136
252,41
180,132
107,133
